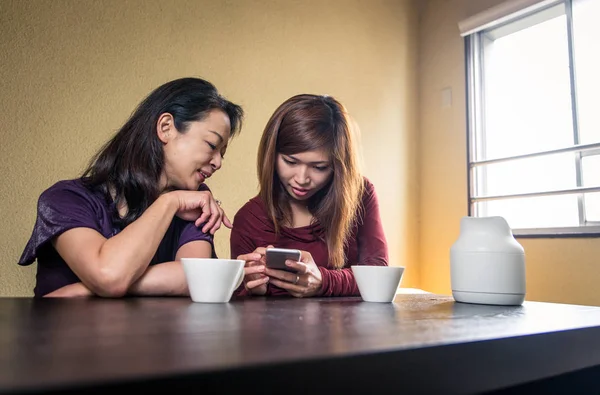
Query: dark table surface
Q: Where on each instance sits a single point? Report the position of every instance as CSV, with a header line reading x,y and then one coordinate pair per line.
x,y
421,343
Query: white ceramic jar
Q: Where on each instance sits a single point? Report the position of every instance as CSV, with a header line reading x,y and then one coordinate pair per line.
x,y
487,264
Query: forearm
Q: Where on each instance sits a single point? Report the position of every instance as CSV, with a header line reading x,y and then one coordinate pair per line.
x,y
165,279
342,282
127,254
338,282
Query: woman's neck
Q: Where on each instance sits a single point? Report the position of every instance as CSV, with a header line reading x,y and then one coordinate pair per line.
x,y
122,206
301,215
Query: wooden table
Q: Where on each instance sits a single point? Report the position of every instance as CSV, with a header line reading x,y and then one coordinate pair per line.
x,y
421,343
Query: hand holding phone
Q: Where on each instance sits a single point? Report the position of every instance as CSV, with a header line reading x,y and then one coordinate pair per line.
x,y
276,258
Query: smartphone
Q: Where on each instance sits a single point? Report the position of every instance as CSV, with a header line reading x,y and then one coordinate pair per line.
x,y
276,258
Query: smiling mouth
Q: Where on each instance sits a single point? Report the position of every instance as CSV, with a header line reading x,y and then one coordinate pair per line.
x,y
205,175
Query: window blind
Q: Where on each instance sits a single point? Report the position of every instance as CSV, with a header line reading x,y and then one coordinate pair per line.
x,y
496,15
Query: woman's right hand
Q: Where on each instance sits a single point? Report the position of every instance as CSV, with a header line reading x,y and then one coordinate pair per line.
x,y
255,281
200,207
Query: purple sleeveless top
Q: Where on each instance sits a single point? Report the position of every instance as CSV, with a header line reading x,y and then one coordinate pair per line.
x,y
69,204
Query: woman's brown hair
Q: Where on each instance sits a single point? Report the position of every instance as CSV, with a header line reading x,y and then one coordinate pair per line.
x,y
306,123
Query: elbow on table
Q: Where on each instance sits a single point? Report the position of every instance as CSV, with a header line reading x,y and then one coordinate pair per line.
x,y
109,283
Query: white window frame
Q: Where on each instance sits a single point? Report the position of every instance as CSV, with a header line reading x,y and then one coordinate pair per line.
x,y
473,31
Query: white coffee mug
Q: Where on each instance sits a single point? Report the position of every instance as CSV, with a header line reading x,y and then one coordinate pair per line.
x,y
212,280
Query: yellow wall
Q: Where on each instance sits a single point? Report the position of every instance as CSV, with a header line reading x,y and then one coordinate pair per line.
x,y
73,70
558,270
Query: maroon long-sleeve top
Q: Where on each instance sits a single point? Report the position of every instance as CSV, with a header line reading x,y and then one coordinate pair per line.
x,y
367,245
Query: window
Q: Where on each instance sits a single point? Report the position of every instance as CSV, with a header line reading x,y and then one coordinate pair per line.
x,y
534,125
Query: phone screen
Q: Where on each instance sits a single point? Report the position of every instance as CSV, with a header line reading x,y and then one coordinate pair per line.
x,y
276,258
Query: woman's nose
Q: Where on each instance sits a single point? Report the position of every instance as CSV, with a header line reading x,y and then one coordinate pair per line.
x,y
216,161
302,176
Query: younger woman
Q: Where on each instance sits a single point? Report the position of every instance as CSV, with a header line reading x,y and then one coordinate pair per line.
x,y
312,198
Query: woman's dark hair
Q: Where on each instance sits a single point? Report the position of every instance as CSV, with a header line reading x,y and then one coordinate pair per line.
x,y
128,167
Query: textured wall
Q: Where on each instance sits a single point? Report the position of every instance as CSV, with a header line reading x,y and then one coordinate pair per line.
x,y
72,71
558,270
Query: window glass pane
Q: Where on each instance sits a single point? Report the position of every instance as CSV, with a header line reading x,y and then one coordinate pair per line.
x,y
592,206
544,173
586,36
534,212
591,178
591,170
527,91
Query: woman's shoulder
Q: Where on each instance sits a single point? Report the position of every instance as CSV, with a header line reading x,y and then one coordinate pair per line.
x,y
72,196
368,188
369,199
70,188
253,211
253,207
65,205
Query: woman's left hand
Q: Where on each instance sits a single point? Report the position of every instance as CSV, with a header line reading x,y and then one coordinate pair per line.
x,y
307,280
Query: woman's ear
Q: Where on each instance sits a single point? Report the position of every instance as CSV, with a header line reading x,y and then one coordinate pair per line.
x,y
165,128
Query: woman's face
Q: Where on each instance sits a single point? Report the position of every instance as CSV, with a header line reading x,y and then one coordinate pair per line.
x,y
304,174
195,155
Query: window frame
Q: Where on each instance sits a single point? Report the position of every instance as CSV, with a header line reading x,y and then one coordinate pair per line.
x,y
475,96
